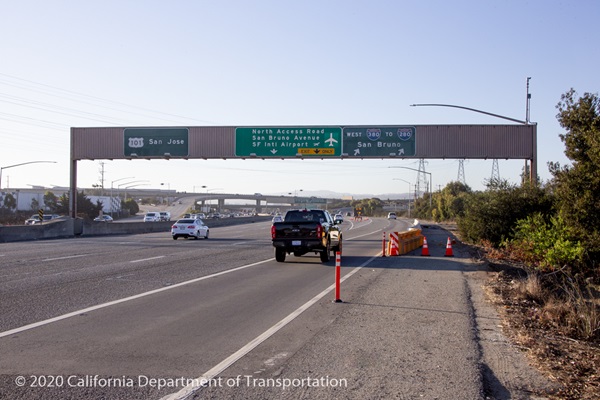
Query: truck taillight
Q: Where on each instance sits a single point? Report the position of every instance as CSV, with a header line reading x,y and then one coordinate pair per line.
x,y
319,231
272,231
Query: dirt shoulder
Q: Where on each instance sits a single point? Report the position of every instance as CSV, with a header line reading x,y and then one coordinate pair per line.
x,y
573,364
569,368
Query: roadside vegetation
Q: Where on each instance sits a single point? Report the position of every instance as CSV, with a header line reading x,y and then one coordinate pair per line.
x,y
544,239
57,205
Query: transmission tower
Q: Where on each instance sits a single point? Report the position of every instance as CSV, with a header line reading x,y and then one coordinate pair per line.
x,y
422,184
101,171
495,171
461,172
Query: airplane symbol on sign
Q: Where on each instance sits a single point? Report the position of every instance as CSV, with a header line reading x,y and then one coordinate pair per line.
x,y
331,140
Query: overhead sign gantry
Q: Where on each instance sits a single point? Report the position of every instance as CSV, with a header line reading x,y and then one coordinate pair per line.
x,y
322,142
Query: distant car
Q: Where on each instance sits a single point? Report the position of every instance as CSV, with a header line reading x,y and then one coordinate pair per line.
x,y
338,219
277,218
103,218
32,220
189,227
392,215
165,216
35,219
152,217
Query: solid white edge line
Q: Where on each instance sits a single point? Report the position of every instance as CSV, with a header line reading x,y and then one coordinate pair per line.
x,y
65,257
226,363
146,259
114,302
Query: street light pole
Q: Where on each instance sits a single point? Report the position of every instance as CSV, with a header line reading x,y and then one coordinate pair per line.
x,y
533,171
471,109
429,186
400,179
128,187
168,191
18,165
128,183
111,194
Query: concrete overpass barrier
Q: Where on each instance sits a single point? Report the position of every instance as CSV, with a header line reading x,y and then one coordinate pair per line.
x,y
47,230
72,227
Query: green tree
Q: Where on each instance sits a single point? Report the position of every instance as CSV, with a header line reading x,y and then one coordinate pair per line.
x,y
51,202
131,206
10,203
370,207
446,205
577,187
85,207
546,243
492,215
35,205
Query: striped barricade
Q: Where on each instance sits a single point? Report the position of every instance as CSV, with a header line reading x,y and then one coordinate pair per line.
x,y
404,242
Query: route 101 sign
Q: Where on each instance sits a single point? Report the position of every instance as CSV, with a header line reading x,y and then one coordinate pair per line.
x,y
156,142
379,141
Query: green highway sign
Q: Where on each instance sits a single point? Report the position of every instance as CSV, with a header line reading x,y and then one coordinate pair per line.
x,y
379,141
306,141
156,142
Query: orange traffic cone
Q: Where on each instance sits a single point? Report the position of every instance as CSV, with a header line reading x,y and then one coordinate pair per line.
x,y
449,249
425,251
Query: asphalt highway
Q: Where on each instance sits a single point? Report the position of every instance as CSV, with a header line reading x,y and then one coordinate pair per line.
x,y
144,316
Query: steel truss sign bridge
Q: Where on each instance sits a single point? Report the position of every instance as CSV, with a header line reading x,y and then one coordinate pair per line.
x,y
321,142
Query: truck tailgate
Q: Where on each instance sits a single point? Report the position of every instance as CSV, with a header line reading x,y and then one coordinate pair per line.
x,y
295,230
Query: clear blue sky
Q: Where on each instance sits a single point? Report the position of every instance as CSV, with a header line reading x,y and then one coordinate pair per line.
x,y
254,63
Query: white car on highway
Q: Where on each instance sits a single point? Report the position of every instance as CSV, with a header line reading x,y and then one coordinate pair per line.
x,y
164,215
152,217
189,227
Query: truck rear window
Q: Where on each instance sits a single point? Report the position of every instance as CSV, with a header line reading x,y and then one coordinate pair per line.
x,y
304,216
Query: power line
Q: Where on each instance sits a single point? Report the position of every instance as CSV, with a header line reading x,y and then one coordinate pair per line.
x,y
95,98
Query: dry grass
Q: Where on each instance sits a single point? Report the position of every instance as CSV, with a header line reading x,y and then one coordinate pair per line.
x,y
557,325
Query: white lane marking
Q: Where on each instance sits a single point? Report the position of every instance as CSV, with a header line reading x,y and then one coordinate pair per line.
x,y
66,257
366,234
201,381
114,302
146,259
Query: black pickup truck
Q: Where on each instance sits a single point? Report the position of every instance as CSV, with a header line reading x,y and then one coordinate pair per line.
x,y
305,231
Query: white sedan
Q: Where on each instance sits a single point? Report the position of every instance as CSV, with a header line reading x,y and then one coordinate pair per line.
x,y
103,218
189,227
